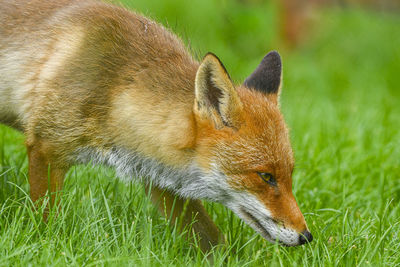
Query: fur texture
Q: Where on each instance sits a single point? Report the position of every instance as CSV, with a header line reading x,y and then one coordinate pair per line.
x,y
91,82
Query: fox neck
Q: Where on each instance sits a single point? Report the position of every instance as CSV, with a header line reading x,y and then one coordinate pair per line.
x,y
189,181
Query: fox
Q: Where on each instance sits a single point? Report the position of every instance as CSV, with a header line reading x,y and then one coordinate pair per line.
x,y
89,82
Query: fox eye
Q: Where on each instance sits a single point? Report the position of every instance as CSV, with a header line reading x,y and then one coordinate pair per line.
x,y
267,177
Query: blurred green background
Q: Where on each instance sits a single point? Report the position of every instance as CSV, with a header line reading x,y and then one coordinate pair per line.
x,y
341,100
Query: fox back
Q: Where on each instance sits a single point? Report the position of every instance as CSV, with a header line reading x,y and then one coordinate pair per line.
x,y
91,82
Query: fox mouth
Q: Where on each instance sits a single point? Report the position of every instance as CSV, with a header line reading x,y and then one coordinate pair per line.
x,y
260,227
257,223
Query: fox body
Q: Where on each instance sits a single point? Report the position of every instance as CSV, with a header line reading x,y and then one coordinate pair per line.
x,y
91,82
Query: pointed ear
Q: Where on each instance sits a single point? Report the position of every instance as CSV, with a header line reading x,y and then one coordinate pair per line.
x,y
267,77
216,97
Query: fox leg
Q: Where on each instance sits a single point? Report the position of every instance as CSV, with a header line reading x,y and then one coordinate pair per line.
x,y
175,207
44,175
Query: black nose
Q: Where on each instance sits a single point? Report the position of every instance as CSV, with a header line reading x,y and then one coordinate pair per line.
x,y
305,237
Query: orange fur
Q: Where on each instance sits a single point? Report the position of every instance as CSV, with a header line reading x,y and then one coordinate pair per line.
x,y
88,79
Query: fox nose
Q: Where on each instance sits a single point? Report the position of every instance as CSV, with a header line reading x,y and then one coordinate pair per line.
x,y
305,237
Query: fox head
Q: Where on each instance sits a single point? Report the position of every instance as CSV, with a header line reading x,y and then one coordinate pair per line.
x,y
244,151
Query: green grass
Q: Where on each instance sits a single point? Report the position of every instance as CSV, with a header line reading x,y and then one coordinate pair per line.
x,y
341,99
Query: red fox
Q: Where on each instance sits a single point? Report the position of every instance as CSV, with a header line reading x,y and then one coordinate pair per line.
x,y
90,82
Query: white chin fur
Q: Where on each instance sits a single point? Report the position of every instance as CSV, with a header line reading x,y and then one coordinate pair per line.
x,y
253,212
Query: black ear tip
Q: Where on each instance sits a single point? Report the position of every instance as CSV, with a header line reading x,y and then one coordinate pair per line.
x,y
274,58
274,53
210,54
267,76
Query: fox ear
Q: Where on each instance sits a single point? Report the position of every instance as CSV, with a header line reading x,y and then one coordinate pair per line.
x,y
216,97
267,76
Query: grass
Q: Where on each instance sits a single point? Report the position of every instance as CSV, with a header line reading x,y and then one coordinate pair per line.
x,y
341,100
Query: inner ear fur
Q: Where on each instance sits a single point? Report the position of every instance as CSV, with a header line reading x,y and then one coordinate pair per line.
x,y
216,97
